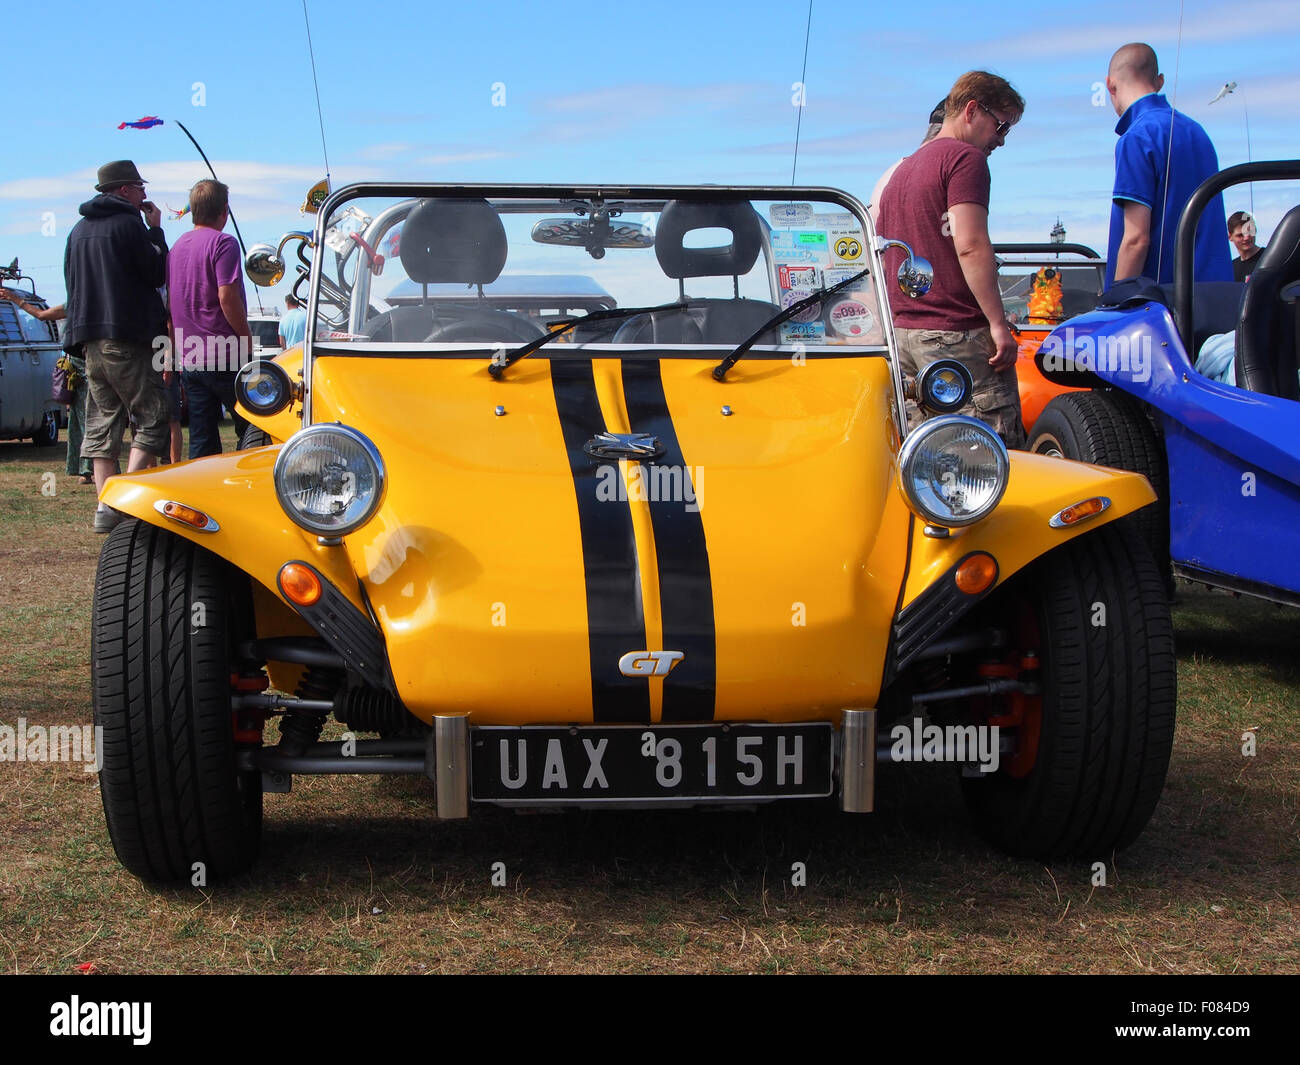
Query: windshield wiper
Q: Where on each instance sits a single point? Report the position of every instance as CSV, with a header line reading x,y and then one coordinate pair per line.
x,y
499,366
720,371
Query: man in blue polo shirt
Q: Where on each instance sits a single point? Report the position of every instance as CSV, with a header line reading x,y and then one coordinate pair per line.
x,y
1161,157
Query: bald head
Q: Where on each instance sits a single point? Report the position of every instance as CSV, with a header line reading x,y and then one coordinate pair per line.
x,y
1133,73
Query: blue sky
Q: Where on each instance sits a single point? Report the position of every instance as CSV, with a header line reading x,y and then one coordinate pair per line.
x,y
561,91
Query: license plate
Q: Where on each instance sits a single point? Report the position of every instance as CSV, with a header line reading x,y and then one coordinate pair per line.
x,y
623,763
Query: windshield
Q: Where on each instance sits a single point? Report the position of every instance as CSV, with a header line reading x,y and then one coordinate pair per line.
x,y
441,272
1045,286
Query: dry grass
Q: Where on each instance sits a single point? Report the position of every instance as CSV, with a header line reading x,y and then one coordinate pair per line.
x,y
355,876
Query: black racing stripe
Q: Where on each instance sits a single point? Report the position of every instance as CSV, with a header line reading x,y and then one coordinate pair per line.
x,y
615,619
685,585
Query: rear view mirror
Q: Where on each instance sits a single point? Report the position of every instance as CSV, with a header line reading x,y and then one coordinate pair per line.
x,y
595,234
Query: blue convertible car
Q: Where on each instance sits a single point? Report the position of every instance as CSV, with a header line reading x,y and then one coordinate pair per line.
x,y
1224,459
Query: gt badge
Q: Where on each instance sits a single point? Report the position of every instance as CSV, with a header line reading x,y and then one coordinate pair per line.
x,y
649,663
636,446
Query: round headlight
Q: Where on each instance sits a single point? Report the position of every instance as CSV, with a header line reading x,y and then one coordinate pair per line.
x,y
262,387
944,386
329,479
953,470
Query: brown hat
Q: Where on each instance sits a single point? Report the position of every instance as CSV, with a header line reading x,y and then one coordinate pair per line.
x,y
116,174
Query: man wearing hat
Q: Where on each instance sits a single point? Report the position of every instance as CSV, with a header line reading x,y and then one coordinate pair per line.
x,y
113,268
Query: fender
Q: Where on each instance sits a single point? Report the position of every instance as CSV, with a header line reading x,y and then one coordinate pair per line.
x,y
1139,352
1018,530
237,491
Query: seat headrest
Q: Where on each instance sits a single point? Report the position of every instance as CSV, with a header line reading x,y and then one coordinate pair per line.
x,y
679,217
1264,338
459,241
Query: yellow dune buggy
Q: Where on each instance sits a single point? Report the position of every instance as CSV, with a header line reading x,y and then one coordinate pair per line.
x,y
671,549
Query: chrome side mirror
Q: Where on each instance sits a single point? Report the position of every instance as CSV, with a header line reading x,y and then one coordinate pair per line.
x,y
265,264
916,275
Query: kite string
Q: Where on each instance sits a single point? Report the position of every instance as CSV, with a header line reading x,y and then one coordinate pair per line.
x,y
1169,154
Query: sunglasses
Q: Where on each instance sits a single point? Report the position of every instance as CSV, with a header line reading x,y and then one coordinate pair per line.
x,y
1002,127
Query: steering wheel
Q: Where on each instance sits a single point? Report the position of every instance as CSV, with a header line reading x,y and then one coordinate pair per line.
x,y
487,327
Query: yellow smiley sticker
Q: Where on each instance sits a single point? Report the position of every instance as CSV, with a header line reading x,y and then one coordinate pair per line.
x,y
847,248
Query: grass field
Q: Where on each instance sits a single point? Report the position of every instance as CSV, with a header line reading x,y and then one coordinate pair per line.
x,y
356,877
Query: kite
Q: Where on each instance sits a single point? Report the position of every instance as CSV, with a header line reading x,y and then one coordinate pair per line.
x,y
178,214
142,123
1224,91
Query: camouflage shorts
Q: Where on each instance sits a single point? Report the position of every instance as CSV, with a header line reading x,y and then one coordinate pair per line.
x,y
124,385
996,396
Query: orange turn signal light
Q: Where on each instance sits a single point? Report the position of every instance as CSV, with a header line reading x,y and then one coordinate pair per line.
x,y
977,573
1072,515
299,584
186,515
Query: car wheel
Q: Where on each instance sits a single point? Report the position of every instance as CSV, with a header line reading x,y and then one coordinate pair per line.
x,y
1112,429
48,433
1091,746
254,437
166,617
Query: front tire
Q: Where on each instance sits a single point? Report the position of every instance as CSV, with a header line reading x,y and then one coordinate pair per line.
x,y
165,620
1110,428
1105,728
254,437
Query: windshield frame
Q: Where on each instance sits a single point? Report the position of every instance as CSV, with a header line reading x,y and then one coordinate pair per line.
x,y
532,198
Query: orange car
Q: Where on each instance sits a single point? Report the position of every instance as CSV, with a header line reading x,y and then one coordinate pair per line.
x,y
1042,285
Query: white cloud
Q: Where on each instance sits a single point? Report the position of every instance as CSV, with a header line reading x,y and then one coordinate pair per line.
x,y
1217,23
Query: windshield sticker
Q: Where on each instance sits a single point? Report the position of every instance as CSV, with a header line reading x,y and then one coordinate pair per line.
x,y
846,245
803,279
833,275
811,332
809,314
799,245
790,214
850,318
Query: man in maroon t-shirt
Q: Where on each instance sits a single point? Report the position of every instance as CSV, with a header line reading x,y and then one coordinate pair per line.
x,y
937,202
209,315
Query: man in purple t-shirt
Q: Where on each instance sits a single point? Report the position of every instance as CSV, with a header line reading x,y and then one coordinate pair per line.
x,y
209,316
937,203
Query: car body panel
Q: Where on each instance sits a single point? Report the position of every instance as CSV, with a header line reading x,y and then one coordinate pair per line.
x,y
236,489
1234,455
488,601
1017,531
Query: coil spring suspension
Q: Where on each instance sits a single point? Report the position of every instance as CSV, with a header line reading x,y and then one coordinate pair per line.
x,y
299,728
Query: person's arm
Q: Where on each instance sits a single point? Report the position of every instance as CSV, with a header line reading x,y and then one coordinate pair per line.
x,y
149,247
970,235
1136,242
231,298
230,289
43,314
